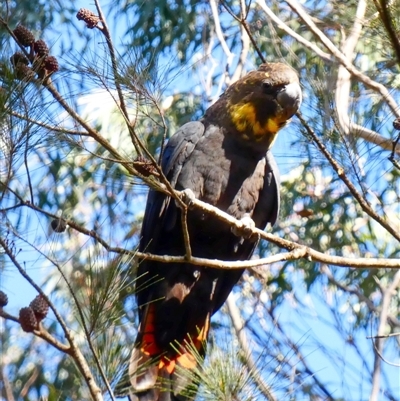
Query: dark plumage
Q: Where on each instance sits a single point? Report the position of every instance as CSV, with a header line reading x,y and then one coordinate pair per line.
x,y
224,159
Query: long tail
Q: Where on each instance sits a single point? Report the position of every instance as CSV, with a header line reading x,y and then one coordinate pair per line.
x,y
165,375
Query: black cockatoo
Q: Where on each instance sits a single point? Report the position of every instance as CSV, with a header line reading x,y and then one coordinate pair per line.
x,y
225,160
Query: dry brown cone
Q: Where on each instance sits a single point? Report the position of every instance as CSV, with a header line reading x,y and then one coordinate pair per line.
x,y
23,72
51,64
3,299
24,35
41,48
40,307
145,167
19,57
89,17
27,319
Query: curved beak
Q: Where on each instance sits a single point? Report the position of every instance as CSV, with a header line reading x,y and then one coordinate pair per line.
x,y
289,98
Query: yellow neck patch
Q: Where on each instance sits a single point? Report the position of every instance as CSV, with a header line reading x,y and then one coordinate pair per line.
x,y
244,118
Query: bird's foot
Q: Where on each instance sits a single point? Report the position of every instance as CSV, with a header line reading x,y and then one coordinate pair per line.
x,y
246,230
188,197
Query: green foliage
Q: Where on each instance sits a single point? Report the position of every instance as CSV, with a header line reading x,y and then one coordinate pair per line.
x,y
170,64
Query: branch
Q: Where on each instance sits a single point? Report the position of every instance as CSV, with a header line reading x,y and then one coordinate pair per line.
x,y
366,207
74,351
388,294
245,39
244,346
387,19
81,315
368,82
6,384
27,386
342,104
280,24
245,25
40,332
218,30
296,251
106,32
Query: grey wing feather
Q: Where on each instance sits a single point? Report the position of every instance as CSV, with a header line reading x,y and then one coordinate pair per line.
x,y
178,149
269,197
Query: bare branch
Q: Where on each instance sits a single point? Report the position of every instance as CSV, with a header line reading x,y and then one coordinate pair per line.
x,y
6,384
220,35
27,386
244,345
388,294
383,8
368,82
122,104
74,351
281,25
342,175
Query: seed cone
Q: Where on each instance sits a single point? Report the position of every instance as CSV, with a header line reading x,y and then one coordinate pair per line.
x,y
41,48
3,299
24,35
89,17
51,64
27,319
40,307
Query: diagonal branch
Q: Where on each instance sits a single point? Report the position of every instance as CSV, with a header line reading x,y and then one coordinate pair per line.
x,y
296,251
244,346
388,294
281,25
74,349
122,104
368,82
383,8
366,207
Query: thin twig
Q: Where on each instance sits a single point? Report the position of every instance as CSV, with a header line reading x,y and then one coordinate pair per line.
x,y
243,22
6,384
300,39
384,336
366,207
185,231
388,294
74,351
63,130
106,32
245,39
238,325
27,167
384,13
368,82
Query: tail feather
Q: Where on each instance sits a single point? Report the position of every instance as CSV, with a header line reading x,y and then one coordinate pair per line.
x,y
165,375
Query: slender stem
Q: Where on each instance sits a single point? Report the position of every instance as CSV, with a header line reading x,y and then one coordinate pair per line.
x,y
244,346
388,294
74,350
381,89
122,104
342,175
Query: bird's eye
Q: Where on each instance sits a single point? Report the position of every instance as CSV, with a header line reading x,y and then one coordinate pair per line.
x,y
267,88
